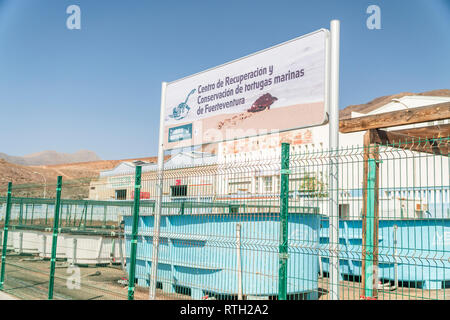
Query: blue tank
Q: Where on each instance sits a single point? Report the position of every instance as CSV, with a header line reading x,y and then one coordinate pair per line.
x,y
200,252
423,250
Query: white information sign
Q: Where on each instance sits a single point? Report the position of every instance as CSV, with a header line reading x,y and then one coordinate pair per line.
x,y
277,89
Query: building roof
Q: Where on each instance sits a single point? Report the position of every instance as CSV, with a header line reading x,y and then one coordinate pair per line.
x,y
403,103
376,103
411,102
179,160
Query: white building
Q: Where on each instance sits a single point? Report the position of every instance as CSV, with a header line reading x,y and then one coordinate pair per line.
x,y
412,184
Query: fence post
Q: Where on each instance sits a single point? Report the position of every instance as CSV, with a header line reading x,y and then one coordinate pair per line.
x,y
137,196
239,260
369,252
284,208
21,212
105,210
369,226
46,213
5,234
55,238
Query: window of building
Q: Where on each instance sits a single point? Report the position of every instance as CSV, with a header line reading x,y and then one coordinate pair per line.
x,y
267,184
121,194
240,186
344,211
179,191
277,184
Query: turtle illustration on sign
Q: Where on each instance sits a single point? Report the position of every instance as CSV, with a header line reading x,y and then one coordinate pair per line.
x,y
182,110
263,102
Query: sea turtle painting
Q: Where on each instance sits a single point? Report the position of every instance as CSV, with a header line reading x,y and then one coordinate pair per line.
x,y
263,102
182,110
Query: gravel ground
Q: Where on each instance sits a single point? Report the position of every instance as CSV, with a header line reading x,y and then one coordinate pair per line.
x,y
27,278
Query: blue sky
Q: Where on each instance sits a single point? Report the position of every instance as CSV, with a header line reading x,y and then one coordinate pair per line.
x,y
98,88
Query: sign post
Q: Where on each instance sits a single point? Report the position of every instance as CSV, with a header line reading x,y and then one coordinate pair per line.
x,y
334,166
158,202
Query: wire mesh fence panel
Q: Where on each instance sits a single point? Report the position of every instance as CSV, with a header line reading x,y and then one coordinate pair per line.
x,y
91,244
393,221
393,216
26,265
414,219
218,238
221,232
239,226
89,255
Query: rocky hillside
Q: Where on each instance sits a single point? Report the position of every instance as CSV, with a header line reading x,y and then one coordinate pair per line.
x,y
51,157
32,181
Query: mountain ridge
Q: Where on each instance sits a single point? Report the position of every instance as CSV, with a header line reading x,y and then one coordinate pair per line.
x,y
51,157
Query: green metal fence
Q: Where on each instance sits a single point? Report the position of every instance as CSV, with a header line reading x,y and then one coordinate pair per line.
x,y
244,226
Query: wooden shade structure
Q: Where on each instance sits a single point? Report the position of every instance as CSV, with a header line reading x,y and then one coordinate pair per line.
x,y
425,139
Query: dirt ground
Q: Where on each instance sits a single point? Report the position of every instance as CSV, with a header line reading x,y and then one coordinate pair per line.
x,y
353,290
28,181
27,278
